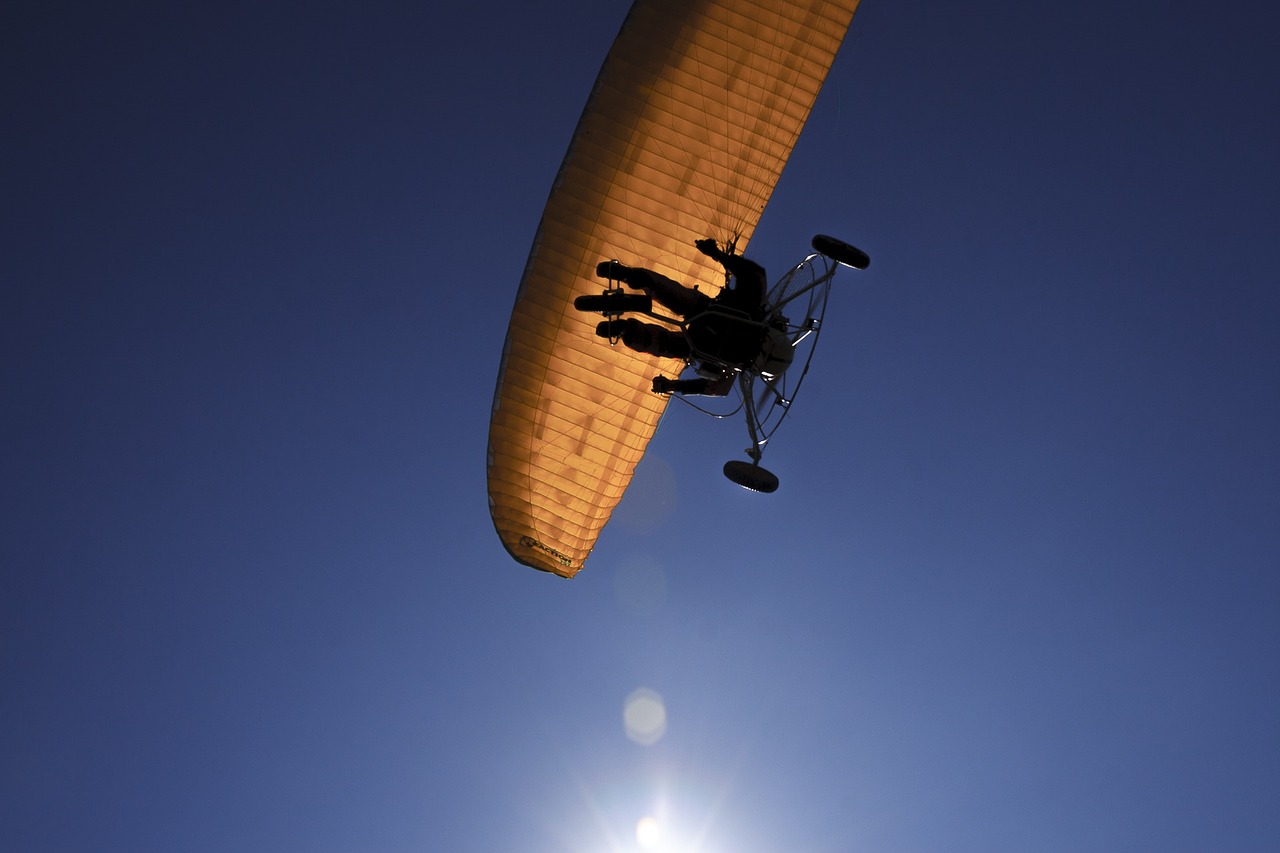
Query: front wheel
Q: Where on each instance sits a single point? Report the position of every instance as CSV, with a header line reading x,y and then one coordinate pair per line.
x,y
612,304
751,476
841,252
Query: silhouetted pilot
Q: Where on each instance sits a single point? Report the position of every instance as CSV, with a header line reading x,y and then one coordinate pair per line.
x,y
717,332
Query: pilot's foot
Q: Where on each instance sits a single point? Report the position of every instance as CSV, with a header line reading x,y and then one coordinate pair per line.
x,y
661,385
617,328
612,270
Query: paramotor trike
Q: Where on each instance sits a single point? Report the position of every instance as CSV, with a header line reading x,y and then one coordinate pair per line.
x,y
765,358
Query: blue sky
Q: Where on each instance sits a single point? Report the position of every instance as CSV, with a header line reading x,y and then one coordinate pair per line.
x,y
1018,590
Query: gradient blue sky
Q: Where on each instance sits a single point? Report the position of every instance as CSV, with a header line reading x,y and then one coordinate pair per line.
x,y
1019,589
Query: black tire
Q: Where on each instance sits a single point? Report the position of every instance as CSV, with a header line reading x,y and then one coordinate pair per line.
x,y
751,476
841,252
614,303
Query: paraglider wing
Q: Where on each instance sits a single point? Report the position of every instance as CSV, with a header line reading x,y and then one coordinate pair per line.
x,y
692,118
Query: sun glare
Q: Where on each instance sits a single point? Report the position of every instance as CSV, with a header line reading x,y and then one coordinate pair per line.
x,y
648,833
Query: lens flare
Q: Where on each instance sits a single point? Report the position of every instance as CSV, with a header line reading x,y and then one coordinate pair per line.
x,y
645,717
651,497
640,585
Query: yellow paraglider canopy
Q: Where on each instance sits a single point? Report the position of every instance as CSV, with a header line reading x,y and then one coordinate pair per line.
x,y
690,123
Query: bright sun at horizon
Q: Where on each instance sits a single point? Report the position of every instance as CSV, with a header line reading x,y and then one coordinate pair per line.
x,y
648,833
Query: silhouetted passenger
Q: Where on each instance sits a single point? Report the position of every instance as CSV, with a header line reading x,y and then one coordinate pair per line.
x,y
719,333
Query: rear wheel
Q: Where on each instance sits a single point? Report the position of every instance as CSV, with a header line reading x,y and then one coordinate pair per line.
x,y
751,476
841,252
614,303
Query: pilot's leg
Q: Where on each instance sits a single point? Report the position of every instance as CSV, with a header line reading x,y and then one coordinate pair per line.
x,y
699,386
648,338
671,294
681,300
